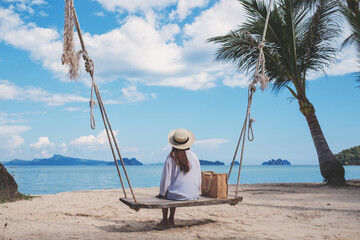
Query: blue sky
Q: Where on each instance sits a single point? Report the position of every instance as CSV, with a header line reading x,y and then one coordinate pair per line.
x,y
155,72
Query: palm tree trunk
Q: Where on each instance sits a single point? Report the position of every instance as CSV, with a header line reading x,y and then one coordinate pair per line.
x,y
330,167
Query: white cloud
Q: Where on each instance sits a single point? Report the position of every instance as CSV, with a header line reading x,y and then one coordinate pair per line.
x,y
42,154
43,44
25,5
9,118
3,118
153,59
42,142
210,143
14,141
133,6
197,55
12,129
143,50
131,94
38,2
169,31
30,2
73,109
236,80
24,8
91,141
10,91
99,14
10,138
98,142
347,63
184,7
193,82
63,148
218,20
136,49
139,51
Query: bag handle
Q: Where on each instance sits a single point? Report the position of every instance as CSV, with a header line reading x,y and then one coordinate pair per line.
x,y
207,189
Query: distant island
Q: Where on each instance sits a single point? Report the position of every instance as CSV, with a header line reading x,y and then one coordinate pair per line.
x,y
276,162
127,161
350,156
59,160
206,162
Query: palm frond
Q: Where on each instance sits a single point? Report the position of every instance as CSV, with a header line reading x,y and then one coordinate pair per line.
x,y
298,40
348,41
316,49
353,18
239,47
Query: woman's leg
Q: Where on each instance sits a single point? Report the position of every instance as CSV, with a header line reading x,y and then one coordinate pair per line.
x,y
164,221
172,216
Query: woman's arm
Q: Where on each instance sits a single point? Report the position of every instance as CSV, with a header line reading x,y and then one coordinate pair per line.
x,y
199,174
166,177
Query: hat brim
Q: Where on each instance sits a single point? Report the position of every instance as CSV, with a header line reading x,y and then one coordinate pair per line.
x,y
181,145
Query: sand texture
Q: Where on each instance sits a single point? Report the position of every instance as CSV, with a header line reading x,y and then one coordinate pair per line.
x,y
268,211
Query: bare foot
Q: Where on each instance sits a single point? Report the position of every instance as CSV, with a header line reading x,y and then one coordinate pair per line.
x,y
171,222
163,223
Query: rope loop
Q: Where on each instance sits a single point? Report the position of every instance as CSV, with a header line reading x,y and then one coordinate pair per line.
x,y
92,117
89,67
250,131
92,105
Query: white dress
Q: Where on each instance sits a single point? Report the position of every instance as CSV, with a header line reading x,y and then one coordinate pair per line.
x,y
177,185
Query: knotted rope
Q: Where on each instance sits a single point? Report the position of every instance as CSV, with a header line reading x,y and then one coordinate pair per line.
x,y
260,66
262,78
259,77
89,67
70,20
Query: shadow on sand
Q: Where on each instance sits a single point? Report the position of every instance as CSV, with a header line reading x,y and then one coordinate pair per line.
x,y
144,226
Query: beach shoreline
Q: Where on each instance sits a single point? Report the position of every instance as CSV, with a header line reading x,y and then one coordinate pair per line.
x,y
268,211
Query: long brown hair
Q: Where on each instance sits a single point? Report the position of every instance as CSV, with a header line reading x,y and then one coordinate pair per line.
x,y
180,159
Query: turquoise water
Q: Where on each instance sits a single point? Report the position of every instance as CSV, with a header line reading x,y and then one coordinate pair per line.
x,y
38,180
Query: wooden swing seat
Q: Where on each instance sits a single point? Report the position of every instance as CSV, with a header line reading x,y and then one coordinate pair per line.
x,y
156,203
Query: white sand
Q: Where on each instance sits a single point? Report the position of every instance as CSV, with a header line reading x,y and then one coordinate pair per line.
x,y
268,211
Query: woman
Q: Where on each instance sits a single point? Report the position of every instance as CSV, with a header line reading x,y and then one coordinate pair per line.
x,y
181,177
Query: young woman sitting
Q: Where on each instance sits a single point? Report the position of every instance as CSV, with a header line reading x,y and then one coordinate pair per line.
x,y
181,177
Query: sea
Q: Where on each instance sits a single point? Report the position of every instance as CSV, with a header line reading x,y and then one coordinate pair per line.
x,y
40,180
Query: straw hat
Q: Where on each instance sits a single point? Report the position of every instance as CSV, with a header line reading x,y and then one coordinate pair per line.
x,y
181,138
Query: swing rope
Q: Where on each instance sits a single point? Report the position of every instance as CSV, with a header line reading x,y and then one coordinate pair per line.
x,y
70,58
259,77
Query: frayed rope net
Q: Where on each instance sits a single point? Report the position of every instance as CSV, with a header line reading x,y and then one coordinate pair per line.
x,y
70,57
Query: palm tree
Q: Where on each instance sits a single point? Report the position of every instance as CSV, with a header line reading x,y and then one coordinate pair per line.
x,y
353,5
352,15
299,40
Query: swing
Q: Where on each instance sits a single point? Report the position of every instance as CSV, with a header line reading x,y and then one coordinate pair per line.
x,y
70,58
156,203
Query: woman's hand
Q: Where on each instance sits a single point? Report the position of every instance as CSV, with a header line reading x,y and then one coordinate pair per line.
x,y
159,196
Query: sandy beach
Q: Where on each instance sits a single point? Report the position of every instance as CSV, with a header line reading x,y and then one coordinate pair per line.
x,y
268,211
